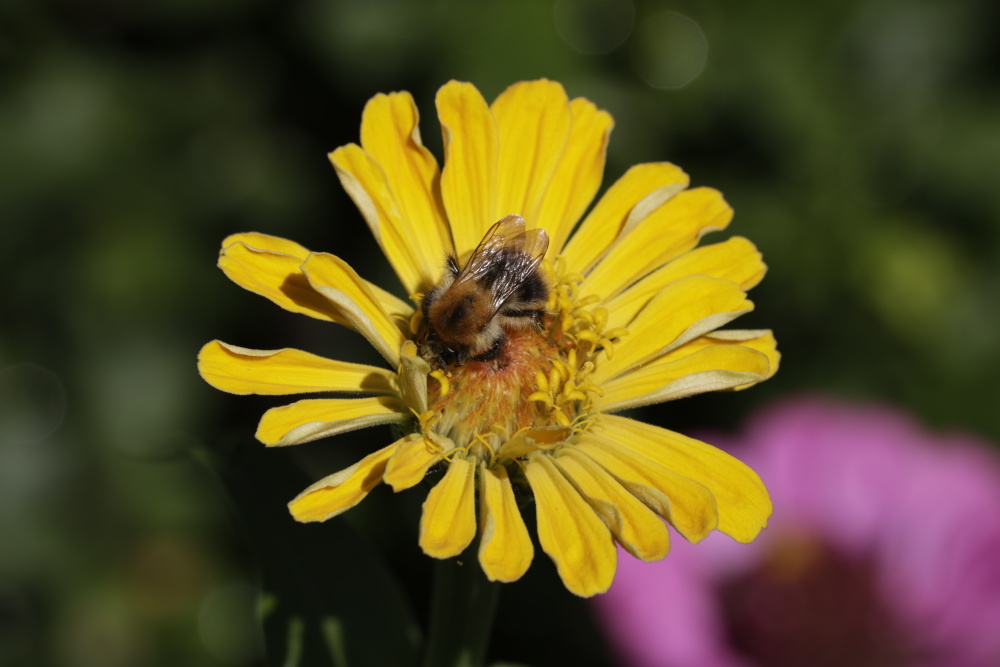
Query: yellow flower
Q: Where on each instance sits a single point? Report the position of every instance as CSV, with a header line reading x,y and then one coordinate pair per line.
x,y
633,318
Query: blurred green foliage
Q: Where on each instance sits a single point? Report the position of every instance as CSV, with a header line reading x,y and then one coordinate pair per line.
x,y
858,142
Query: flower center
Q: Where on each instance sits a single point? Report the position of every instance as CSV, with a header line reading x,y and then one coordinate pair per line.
x,y
810,604
480,404
538,380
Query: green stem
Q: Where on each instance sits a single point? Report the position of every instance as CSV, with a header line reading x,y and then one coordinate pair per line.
x,y
462,607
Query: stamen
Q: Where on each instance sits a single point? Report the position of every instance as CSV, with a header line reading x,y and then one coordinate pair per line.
x,y
426,420
450,456
617,332
542,382
555,381
600,318
442,378
433,446
482,439
415,320
541,397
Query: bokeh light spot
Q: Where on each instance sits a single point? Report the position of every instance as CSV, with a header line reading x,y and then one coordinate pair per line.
x,y
670,50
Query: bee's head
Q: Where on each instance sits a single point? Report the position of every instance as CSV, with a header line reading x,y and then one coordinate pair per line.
x,y
445,355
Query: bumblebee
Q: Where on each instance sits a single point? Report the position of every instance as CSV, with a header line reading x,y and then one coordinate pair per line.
x,y
500,287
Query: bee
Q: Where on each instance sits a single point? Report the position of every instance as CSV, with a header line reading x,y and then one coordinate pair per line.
x,y
499,288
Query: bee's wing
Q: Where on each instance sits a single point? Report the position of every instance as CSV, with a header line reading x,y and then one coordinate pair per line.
x,y
505,258
488,253
533,242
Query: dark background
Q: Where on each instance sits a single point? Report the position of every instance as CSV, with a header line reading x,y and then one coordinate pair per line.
x,y
858,142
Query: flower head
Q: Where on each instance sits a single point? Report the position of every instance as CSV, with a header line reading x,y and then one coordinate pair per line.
x,y
626,312
884,553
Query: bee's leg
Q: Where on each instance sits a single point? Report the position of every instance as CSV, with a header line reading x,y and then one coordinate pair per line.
x,y
537,320
493,352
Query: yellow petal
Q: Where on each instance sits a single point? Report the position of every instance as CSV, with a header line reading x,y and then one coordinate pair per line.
x,y
743,502
682,311
390,134
314,418
712,368
736,259
633,524
412,378
686,503
578,174
365,181
275,244
340,284
271,266
641,190
240,370
342,490
761,340
666,233
268,243
537,438
533,121
569,531
408,466
277,277
448,522
505,549
469,177
398,310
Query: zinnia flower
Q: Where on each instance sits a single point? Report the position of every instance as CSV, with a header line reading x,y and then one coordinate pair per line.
x,y
884,552
633,318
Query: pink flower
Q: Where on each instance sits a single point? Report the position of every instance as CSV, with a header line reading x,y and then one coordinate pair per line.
x,y
884,549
